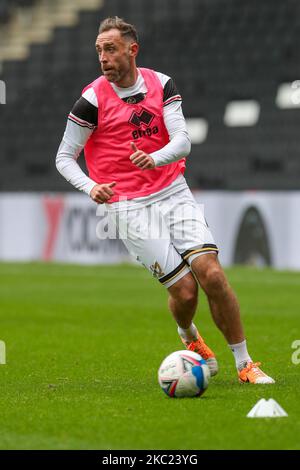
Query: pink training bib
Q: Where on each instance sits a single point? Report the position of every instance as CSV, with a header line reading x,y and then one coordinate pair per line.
x,y
108,150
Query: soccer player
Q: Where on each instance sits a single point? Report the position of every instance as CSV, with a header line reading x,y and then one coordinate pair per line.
x,y
130,123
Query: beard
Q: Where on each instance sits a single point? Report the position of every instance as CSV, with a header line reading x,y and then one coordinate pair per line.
x,y
114,74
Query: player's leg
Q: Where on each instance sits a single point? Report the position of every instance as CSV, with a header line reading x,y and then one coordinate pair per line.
x,y
159,256
176,210
183,298
222,300
226,314
193,239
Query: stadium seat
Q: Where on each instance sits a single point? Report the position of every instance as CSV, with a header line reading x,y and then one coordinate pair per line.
x,y
215,54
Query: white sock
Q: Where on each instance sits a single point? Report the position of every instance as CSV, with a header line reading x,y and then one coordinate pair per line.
x,y
190,334
241,354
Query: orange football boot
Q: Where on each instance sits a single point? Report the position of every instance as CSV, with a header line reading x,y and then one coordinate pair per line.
x,y
254,375
201,348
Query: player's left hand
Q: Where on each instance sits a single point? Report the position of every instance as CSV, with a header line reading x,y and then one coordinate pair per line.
x,y
141,159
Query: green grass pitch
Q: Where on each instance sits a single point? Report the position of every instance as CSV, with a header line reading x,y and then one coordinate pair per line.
x,y
84,345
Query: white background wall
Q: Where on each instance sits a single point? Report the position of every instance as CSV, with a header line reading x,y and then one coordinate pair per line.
x,y
62,227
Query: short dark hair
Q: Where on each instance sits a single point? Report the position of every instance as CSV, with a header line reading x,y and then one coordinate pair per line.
x,y
114,22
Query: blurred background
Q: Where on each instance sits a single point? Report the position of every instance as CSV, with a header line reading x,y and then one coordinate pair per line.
x,y
236,65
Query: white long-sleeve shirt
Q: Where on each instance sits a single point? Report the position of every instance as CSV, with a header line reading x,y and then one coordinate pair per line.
x,y
83,119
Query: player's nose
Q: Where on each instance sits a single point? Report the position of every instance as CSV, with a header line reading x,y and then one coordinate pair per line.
x,y
102,58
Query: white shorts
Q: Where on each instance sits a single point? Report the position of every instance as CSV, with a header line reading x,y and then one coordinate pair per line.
x,y
166,235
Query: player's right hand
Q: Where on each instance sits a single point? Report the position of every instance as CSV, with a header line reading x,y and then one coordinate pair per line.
x,y
101,193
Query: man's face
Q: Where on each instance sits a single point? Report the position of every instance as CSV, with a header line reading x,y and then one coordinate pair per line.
x,y
115,55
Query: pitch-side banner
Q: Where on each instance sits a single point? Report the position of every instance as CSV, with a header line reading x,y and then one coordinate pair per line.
x,y
259,228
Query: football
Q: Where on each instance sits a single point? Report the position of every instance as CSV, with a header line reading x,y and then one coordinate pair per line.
x,y
183,374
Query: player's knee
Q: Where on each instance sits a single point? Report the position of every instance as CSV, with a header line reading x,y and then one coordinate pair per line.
x,y
213,280
185,291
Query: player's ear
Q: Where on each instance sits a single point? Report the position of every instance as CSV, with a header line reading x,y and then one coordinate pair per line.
x,y
134,49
